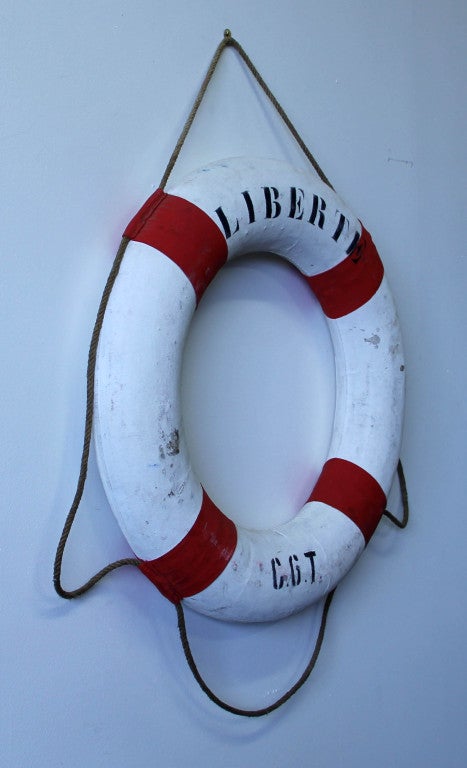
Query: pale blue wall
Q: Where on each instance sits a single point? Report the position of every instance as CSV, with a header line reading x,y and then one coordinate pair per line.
x,y
93,96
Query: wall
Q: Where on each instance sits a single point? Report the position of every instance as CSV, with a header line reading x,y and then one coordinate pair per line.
x,y
93,97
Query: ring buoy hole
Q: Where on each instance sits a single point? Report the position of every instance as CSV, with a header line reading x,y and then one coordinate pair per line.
x,y
258,390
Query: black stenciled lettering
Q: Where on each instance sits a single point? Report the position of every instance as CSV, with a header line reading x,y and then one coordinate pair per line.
x,y
352,245
274,572
282,580
317,211
295,572
294,577
228,231
340,226
249,205
273,207
296,203
311,555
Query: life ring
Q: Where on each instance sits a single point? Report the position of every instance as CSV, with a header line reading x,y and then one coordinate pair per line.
x,y
178,241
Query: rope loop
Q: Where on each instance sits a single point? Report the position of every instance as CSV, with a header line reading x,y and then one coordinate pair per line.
x,y
282,699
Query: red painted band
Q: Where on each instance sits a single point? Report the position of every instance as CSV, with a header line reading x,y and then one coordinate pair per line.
x,y
350,284
353,491
198,559
184,233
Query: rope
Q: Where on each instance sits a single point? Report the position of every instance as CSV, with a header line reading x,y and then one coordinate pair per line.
x,y
404,498
227,41
91,369
282,699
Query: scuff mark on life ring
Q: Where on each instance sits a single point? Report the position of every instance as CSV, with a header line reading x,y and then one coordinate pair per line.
x,y
375,339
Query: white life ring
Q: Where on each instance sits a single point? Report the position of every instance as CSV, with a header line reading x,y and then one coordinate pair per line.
x,y
178,242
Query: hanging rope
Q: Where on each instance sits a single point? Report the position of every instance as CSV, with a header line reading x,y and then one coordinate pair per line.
x,y
282,699
227,41
91,369
404,499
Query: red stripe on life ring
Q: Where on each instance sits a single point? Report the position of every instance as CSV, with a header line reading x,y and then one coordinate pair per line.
x,y
198,559
184,233
350,284
353,491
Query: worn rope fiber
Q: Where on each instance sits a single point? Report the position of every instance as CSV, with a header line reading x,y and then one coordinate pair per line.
x,y
227,40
